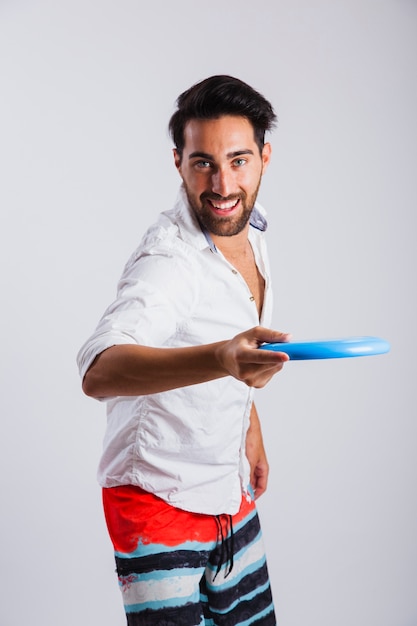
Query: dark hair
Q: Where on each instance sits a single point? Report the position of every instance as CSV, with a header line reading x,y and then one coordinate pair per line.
x,y
217,96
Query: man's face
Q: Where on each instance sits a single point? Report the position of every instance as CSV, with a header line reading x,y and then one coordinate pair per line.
x,y
221,168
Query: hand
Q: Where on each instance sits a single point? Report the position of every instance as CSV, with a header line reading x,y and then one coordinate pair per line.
x,y
242,359
255,452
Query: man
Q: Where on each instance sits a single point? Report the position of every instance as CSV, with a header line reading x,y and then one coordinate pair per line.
x,y
176,358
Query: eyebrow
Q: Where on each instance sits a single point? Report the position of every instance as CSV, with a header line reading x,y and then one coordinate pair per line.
x,y
210,157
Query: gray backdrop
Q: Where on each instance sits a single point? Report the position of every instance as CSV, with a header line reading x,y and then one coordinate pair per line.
x,y
87,87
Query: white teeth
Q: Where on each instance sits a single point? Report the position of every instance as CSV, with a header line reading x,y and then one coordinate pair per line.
x,y
224,206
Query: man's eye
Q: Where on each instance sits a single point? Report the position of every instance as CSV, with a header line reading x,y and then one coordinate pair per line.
x,y
239,162
203,164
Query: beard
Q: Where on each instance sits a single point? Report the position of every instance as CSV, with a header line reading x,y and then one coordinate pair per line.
x,y
226,226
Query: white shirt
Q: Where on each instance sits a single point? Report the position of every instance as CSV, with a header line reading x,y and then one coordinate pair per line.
x,y
187,445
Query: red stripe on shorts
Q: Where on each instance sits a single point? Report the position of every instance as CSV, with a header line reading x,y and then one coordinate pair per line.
x,y
136,516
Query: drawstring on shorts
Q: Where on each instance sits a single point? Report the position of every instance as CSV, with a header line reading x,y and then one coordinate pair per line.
x,y
227,546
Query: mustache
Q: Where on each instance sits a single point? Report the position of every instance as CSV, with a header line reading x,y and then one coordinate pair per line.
x,y
217,197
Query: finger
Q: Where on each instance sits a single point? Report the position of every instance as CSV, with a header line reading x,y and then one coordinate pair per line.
x,y
263,356
266,335
260,486
258,377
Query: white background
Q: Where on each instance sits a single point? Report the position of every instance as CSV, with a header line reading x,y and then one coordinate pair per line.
x,y
86,91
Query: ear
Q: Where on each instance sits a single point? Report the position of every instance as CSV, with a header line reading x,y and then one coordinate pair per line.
x,y
177,159
266,156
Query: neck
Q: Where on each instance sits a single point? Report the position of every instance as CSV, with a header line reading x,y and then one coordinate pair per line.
x,y
232,246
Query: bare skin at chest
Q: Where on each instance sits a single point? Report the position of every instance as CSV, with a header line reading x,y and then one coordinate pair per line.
x,y
244,263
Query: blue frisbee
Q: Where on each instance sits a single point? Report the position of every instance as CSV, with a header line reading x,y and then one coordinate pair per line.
x,y
330,348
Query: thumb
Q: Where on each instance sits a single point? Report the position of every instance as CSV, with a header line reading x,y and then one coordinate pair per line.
x,y
267,335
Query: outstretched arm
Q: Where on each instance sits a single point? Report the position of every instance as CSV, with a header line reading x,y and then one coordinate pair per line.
x,y
133,370
255,451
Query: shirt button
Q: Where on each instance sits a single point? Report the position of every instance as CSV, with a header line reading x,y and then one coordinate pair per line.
x,y
234,271
252,298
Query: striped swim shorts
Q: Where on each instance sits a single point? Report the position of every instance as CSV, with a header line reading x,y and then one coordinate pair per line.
x,y
177,568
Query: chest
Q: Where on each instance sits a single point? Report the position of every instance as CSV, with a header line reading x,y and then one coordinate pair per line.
x,y
251,275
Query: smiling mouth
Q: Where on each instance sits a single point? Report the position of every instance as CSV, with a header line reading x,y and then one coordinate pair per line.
x,y
225,205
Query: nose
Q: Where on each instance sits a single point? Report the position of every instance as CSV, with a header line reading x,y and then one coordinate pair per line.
x,y
222,182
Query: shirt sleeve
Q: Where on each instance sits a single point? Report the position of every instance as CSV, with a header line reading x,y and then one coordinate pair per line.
x,y
155,296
